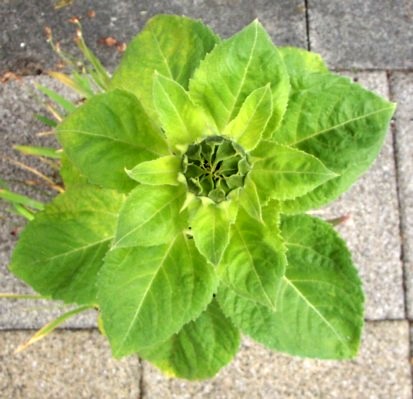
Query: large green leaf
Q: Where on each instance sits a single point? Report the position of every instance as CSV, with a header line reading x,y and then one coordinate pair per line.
x,y
60,252
183,121
151,216
146,294
109,133
319,309
210,225
281,172
338,122
254,261
234,69
200,349
169,44
249,125
300,62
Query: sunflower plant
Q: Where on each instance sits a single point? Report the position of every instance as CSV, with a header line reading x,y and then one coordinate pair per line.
x,y
186,186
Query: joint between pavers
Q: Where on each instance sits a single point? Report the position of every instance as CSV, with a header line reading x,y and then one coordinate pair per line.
x,y
307,24
141,379
393,129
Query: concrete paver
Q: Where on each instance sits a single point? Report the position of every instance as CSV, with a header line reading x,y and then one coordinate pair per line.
x,y
381,371
23,47
66,364
402,86
362,34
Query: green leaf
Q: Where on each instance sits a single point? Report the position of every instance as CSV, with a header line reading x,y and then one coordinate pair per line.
x,y
182,120
169,44
210,226
60,252
67,105
39,151
254,261
248,126
282,172
341,124
319,309
151,216
160,171
70,174
200,349
250,200
146,294
300,62
234,69
109,133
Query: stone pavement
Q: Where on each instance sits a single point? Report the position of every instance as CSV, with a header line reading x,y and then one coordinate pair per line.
x,y
369,40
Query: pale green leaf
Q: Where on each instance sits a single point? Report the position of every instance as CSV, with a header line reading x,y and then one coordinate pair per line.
x,y
282,172
234,69
160,171
319,309
151,216
60,252
109,133
182,120
210,227
249,199
169,44
200,349
248,126
254,261
341,124
146,294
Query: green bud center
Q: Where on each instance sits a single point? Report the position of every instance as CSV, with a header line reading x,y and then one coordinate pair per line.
x,y
215,167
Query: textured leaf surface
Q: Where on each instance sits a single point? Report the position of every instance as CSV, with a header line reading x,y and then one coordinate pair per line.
x,y
151,216
254,261
236,67
169,44
338,122
210,228
109,133
62,249
319,309
299,63
250,200
200,349
249,125
282,172
183,121
146,294
160,171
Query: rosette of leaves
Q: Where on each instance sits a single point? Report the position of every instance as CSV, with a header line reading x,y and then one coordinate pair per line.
x,y
186,185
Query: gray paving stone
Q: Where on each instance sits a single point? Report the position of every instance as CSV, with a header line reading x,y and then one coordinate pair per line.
x,y
66,364
363,34
23,47
402,85
381,370
18,106
372,232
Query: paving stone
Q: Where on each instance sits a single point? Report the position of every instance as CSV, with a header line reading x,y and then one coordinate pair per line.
x,y
402,85
362,34
381,370
18,106
23,47
372,232
66,364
